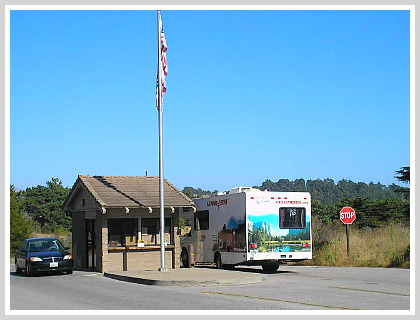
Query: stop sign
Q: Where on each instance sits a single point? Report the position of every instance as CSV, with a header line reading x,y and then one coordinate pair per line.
x,y
347,215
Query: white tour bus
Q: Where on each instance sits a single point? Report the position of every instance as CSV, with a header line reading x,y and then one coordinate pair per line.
x,y
249,227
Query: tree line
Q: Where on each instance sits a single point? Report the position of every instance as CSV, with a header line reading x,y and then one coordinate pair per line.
x,y
329,192
326,191
375,204
38,209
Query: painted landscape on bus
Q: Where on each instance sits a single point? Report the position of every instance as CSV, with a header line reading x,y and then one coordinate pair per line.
x,y
265,235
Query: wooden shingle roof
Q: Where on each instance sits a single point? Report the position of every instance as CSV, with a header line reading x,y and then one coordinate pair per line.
x,y
114,191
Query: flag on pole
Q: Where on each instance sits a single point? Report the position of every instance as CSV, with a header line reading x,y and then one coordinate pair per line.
x,y
164,47
163,64
161,86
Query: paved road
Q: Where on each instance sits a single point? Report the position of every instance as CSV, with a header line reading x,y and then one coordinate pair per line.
x,y
290,288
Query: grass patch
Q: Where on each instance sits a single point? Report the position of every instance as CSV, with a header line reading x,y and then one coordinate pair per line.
x,y
386,247
380,247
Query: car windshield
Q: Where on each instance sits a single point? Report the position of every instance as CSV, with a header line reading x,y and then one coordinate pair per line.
x,y
45,245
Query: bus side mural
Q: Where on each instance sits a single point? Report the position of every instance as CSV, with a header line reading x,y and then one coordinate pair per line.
x,y
279,232
232,236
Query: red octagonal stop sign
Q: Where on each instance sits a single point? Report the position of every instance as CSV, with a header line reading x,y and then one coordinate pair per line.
x,y
347,215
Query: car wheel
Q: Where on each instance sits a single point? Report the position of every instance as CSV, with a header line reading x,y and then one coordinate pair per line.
x,y
17,269
70,271
28,271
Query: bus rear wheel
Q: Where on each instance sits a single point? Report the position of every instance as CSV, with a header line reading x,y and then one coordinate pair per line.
x,y
271,266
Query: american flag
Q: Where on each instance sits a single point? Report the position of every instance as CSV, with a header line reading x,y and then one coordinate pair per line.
x,y
164,47
164,64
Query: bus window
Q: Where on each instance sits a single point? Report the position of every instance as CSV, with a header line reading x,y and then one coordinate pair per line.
x,y
292,218
201,220
185,227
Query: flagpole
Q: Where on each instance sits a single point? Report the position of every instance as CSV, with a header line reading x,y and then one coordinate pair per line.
x,y
161,181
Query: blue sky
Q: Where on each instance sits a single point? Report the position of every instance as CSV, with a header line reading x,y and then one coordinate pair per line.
x,y
252,95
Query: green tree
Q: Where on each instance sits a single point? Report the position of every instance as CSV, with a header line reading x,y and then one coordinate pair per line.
x,y
194,193
44,205
403,175
299,185
20,225
269,185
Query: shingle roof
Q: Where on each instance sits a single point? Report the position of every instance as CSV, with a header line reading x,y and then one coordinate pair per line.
x,y
112,191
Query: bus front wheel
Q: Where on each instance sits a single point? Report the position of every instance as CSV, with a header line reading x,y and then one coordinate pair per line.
x,y
184,258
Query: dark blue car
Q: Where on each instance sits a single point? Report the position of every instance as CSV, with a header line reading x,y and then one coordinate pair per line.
x,y
43,254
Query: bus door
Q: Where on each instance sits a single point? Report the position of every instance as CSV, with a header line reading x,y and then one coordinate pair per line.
x,y
202,239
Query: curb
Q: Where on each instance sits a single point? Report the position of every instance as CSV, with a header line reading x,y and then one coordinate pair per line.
x,y
183,283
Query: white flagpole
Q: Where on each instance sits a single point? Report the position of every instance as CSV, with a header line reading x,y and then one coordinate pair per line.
x,y
161,181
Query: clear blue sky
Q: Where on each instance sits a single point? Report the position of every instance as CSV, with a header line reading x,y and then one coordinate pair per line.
x,y
252,95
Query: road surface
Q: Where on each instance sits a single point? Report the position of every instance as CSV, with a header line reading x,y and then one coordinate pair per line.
x,y
290,288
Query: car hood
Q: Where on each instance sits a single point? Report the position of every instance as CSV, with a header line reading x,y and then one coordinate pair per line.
x,y
45,254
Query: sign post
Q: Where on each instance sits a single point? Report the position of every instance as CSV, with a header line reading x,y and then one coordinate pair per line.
x,y
347,216
348,240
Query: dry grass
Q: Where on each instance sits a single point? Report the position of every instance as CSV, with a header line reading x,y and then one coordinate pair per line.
x,y
381,247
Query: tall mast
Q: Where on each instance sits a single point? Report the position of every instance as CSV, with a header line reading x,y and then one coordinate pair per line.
x,y
161,179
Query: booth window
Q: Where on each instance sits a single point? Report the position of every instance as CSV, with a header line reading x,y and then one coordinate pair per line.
x,y
122,232
201,220
292,218
150,231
